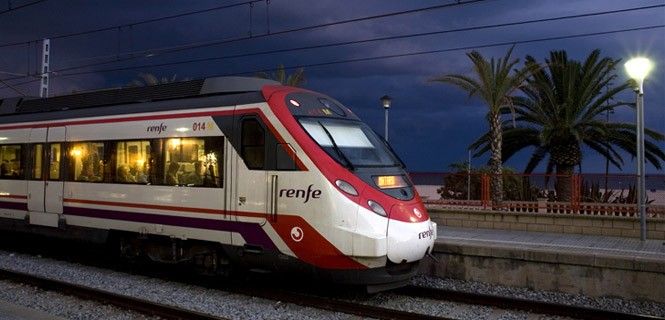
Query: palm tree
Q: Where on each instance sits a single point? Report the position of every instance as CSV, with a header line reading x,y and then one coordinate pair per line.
x,y
296,79
149,79
563,109
494,81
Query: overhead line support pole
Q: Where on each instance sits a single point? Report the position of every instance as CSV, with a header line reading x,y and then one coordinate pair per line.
x,y
46,57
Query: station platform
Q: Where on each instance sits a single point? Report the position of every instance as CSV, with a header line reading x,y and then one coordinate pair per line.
x,y
587,245
9,311
592,265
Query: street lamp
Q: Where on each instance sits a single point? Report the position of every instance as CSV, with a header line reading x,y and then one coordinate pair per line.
x,y
385,102
638,69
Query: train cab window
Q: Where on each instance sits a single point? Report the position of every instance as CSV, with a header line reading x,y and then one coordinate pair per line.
x,y
10,162
193,162
132,162
37,162
253,147
86,161
55,160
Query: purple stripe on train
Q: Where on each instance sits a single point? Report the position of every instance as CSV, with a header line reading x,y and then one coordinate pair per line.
x,y
14,205
251,232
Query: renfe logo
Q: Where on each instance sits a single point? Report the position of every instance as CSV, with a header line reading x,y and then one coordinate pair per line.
x,y
297,234
426,234
161,127
300,193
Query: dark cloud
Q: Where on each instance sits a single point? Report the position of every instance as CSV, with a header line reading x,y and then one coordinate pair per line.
x,y
431,124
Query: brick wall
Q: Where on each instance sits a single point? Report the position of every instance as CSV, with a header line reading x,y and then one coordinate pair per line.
x,y
548,222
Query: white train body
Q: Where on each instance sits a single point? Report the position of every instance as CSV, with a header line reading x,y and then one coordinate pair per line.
x,y
235,171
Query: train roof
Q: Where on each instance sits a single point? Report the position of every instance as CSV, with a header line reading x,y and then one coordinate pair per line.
x,y
132,95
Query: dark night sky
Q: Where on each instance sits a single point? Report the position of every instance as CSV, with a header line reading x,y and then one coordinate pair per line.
x,y
431,124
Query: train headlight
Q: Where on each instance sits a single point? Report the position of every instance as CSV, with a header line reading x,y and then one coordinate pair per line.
x,y
346,187
377,208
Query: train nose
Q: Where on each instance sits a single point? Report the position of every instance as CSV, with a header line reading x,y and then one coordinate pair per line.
x,y
410,241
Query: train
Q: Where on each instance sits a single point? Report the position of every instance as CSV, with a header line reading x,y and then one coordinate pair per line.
x,y
222,173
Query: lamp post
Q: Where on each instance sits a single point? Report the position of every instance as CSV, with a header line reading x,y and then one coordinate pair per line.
x,y
638,69
468,178
385,102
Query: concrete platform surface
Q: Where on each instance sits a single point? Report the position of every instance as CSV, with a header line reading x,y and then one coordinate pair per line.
x,y
617,246
592,265
9,311
628,253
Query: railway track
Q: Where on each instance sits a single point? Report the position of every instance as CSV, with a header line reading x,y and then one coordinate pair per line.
x,y
336,305
307,298
105,297
501,302
541,307
176,313
321,302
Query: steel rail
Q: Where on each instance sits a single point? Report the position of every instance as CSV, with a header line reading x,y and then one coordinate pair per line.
x,y
503,302
344,306
118,300
172,312
335,305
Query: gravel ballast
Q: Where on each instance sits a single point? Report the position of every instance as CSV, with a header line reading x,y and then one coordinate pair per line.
x,y
190,297
63,306
605,303
235,306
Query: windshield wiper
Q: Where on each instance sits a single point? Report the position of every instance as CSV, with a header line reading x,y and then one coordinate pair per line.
x,y
339,152
392,152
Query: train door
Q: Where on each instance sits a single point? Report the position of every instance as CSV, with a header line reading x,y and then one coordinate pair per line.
x,y
251,197
45,187
36,179
54,181
280,161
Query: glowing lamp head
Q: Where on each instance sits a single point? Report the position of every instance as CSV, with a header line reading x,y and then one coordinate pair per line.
x,y
638,69
385,101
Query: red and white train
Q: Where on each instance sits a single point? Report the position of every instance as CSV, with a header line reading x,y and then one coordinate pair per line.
x,y
220,172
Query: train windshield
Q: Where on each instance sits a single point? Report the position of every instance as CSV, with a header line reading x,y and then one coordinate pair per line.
x,y
351,143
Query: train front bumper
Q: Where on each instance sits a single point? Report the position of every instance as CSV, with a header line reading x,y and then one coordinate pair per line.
x,y
409,242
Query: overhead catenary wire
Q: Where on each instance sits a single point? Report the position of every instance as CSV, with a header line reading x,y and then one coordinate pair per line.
x,y
202,44
352,42
415,53
496,44
153,51
473,28
22,6
114,58
136,23
7,85
132,24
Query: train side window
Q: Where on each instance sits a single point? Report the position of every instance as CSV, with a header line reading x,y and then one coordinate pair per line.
x,y
11,166
253,148
37,162
214,155
156,165
132,161
55,161
86,161
193,162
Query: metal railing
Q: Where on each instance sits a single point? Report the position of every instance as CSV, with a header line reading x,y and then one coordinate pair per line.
x,y
589,194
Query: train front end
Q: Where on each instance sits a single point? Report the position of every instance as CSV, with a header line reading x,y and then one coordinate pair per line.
x,y
368,208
